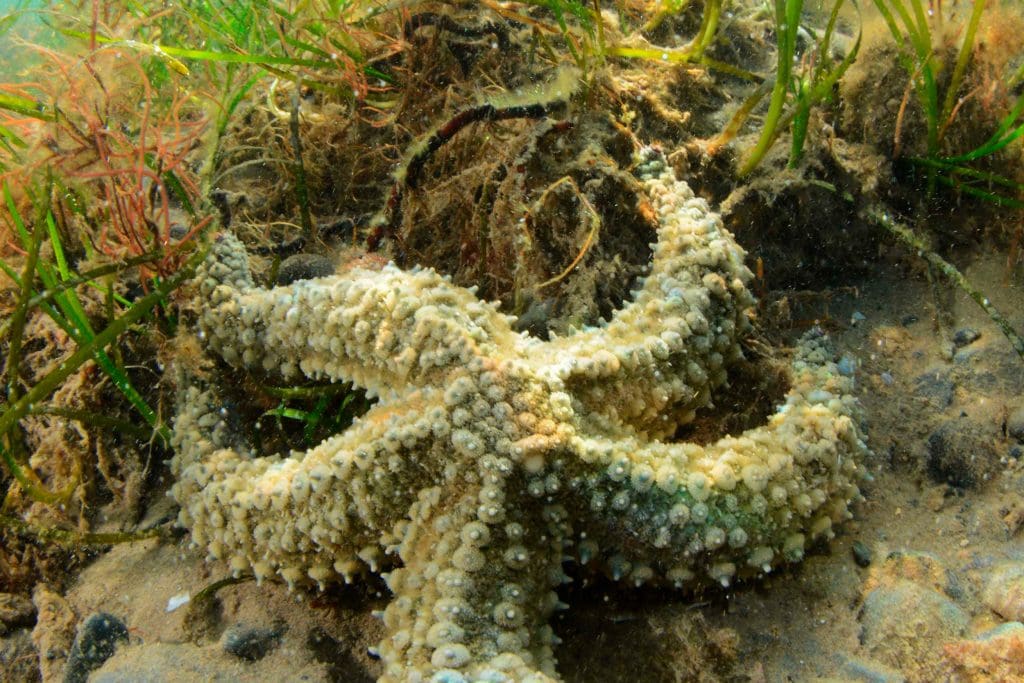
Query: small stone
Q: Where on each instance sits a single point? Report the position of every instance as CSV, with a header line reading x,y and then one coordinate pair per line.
x,y
994,655
251,642
965,336
1015,424
304,267
960,455
1004,591
906,617
861,554
97,639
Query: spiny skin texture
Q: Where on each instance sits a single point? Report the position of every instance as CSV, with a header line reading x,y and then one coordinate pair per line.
x,y
491,457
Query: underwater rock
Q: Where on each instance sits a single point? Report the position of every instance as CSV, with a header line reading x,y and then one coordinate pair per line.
x,y
1004,591
304,267
901,624
995,655
958,455
251,642
861,554
965,336
97,639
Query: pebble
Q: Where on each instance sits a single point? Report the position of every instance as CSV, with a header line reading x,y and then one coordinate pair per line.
x,y
1004,591
965,336
251,643
15,611
959,455
861,554
905,617
304,267
97,639
991,656
1015,424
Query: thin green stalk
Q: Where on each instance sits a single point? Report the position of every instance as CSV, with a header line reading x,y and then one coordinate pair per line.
x,y
909,238
787,18
708,26
76,324
83,278
1006,133
306,392
98,420
70,537
964,56
301,191
21,312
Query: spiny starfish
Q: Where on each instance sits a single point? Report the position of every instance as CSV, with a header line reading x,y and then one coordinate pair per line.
x,y
492,457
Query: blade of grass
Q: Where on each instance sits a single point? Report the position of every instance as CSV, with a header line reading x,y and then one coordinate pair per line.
x,y
787,18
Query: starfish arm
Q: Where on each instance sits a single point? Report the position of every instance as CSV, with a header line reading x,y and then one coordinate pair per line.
x,y
660,356
378,329
472,601
307,516
736,507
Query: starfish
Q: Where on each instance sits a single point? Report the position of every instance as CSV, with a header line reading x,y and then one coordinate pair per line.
x,y
492,457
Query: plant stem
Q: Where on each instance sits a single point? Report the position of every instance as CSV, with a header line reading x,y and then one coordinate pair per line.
x,y
70,537
909,238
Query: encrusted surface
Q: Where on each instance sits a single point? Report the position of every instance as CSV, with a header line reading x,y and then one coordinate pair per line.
x,y
491,457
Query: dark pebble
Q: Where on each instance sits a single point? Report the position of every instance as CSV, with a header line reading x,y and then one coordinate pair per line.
x,y
94,644
958,454
304,267
251,642
861,554
965,336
